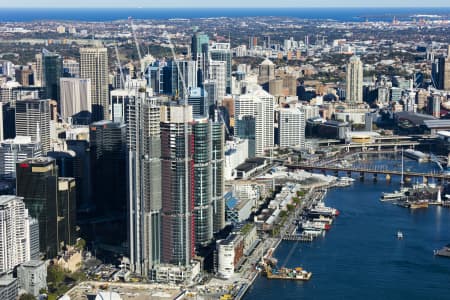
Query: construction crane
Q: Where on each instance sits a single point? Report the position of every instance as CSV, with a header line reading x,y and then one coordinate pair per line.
x,y
119,65
136,43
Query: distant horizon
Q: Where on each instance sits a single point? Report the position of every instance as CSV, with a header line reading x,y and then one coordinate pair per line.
x,y
221,7
339,13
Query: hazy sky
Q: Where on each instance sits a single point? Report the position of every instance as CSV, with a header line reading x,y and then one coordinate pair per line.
x,y
212,3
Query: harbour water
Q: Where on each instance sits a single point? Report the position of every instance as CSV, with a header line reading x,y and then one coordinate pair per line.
x,y
353,14
361,257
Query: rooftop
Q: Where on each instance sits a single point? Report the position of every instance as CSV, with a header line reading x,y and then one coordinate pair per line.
x,y
437,123
7,198
33,263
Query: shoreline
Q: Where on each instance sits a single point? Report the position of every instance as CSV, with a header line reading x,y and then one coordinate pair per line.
x,y
309,199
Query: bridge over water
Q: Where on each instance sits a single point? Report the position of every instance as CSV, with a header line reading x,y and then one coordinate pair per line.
x,y
366,170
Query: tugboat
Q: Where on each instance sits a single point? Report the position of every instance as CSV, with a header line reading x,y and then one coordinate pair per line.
x,y
399,235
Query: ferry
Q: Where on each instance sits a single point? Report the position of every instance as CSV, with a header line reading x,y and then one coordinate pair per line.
x,y
417,155
395,195
346,179
418,204
323,219
321,210
314,232
315,225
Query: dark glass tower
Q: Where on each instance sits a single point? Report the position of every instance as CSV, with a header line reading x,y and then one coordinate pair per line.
x,y
52,66
37,183
108,167
67,210
217,180
202,183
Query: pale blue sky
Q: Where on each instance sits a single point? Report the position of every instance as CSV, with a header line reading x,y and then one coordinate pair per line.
x,y
213,3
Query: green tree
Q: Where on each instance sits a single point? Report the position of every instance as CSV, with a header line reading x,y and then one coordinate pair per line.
x,y
81,244
55,274
27,297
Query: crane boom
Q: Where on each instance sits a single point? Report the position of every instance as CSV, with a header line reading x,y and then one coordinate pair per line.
x,y
119,65
141,63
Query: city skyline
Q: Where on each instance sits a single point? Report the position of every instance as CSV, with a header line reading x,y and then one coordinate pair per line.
x,y
230,4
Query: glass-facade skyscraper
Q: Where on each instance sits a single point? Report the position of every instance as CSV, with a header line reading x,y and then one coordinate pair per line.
x,y
52,66
144,183
177,164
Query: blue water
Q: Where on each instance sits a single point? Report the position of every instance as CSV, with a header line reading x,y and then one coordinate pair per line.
x,y
108,14
361,258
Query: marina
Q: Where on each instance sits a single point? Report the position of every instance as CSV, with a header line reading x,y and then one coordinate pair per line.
x,y
367,236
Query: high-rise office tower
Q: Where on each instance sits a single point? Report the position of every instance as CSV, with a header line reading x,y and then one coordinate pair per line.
x,y
198,100
203,213
178,189
199,51
218,73
444,72
37,183
144,183
266,72
14,236
37,68
71,68
33,119
291,128
222,52
67,213
155,77
79,146
76,100
217,174
94,66
24,75
173,84
245,128
51,71
15,150
119,99
33,232
354,91
266,42
199,45
257,104
8,119
210,87
108,173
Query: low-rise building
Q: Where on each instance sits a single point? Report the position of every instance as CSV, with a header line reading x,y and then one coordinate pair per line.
x,y
176,274
237,210
32,276
8,288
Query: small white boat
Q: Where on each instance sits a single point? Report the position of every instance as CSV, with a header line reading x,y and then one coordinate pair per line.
x,y
346,179
399,235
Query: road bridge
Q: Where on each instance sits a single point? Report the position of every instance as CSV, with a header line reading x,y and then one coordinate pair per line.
x,y
365,170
